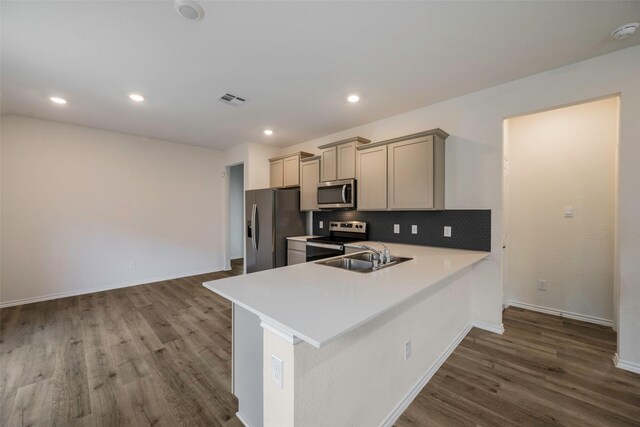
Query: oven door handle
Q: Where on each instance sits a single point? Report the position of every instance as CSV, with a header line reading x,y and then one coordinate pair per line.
x,y
325,245
344,193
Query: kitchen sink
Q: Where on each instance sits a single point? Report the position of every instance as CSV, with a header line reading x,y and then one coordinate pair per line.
x,y
361,262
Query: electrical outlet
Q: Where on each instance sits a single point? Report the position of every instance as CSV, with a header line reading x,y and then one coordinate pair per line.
x,y
542,285
414,229
132,265
321,224
407,350
447,231
396,228
276,370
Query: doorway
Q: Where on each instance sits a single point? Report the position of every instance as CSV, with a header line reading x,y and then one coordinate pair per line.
x,y
560,211
236,216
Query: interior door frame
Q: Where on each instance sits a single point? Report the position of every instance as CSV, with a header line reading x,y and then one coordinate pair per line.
x,y
227,215
505,194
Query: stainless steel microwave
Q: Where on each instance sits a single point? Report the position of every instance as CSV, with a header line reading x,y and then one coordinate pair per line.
x,y
337,194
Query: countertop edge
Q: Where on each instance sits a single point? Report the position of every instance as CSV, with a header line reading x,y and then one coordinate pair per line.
x,y
319,344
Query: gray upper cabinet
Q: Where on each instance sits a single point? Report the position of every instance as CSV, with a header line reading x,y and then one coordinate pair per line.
x,y
284,171
291,171
338,159
346,160
329,165
309,178
414,173
276,173
371,170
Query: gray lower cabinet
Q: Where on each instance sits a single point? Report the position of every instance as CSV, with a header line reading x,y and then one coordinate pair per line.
x,y
296,252
309,178
405,173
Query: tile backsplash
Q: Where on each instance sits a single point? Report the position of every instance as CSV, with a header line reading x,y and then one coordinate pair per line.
x,y
470,228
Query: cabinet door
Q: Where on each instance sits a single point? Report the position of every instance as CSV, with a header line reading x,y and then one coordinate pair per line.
x,y
371,172
411,174
309,178
276,173
328,165
296,257
291,171
347,160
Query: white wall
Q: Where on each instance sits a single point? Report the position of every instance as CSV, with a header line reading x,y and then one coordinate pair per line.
x,y
79,205
236,211
563,157
474,162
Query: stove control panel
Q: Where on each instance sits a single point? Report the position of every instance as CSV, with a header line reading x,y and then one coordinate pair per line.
x,y
348,226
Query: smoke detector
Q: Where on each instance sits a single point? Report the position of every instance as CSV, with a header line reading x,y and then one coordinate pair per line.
x,y
231,99
625,31
189,9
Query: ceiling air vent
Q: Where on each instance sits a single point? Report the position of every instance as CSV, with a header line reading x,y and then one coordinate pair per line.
x,y
230,99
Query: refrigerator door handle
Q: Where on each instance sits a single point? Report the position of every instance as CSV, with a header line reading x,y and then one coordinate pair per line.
x,y
254,242
344,193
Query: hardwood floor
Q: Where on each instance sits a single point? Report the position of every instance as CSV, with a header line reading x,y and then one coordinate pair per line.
x,y
160,354
544,370
156,354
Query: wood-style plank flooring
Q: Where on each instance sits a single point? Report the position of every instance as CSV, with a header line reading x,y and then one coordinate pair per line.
x,y
157,354
544,370
160,354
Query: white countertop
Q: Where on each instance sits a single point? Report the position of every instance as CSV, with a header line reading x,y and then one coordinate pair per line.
x,y
300,238
318,303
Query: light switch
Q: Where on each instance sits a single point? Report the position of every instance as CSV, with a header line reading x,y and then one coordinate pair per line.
x,y
321,224
568,211
396,228
276,370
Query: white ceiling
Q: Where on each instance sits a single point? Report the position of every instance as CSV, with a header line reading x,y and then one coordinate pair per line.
x,y
295,61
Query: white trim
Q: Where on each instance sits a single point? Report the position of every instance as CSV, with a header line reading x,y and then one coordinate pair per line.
x,y
242,419
288,337
627,366
408,398
104,288
562,313
496,329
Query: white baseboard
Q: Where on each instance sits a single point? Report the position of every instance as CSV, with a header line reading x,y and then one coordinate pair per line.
x,y
496,329
562,313
242,419
59,295
627,366
408,398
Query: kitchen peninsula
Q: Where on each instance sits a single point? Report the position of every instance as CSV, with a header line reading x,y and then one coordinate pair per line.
x,y
354,347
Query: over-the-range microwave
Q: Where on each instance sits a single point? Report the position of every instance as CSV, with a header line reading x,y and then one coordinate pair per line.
x,y
337,194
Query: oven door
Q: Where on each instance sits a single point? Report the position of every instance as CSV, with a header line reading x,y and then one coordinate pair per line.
x,y
318,251
337,194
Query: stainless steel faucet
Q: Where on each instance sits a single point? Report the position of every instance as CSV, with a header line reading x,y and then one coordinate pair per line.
x,y
384,256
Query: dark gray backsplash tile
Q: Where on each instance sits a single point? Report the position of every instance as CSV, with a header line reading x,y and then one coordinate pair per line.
x,y
471,228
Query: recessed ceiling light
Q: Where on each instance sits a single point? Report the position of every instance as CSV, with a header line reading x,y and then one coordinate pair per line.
x,y
625,31
58,100
268,132
136,97
353,98
189,9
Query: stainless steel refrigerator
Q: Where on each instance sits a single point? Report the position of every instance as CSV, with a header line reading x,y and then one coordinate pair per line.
x,y
272,216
